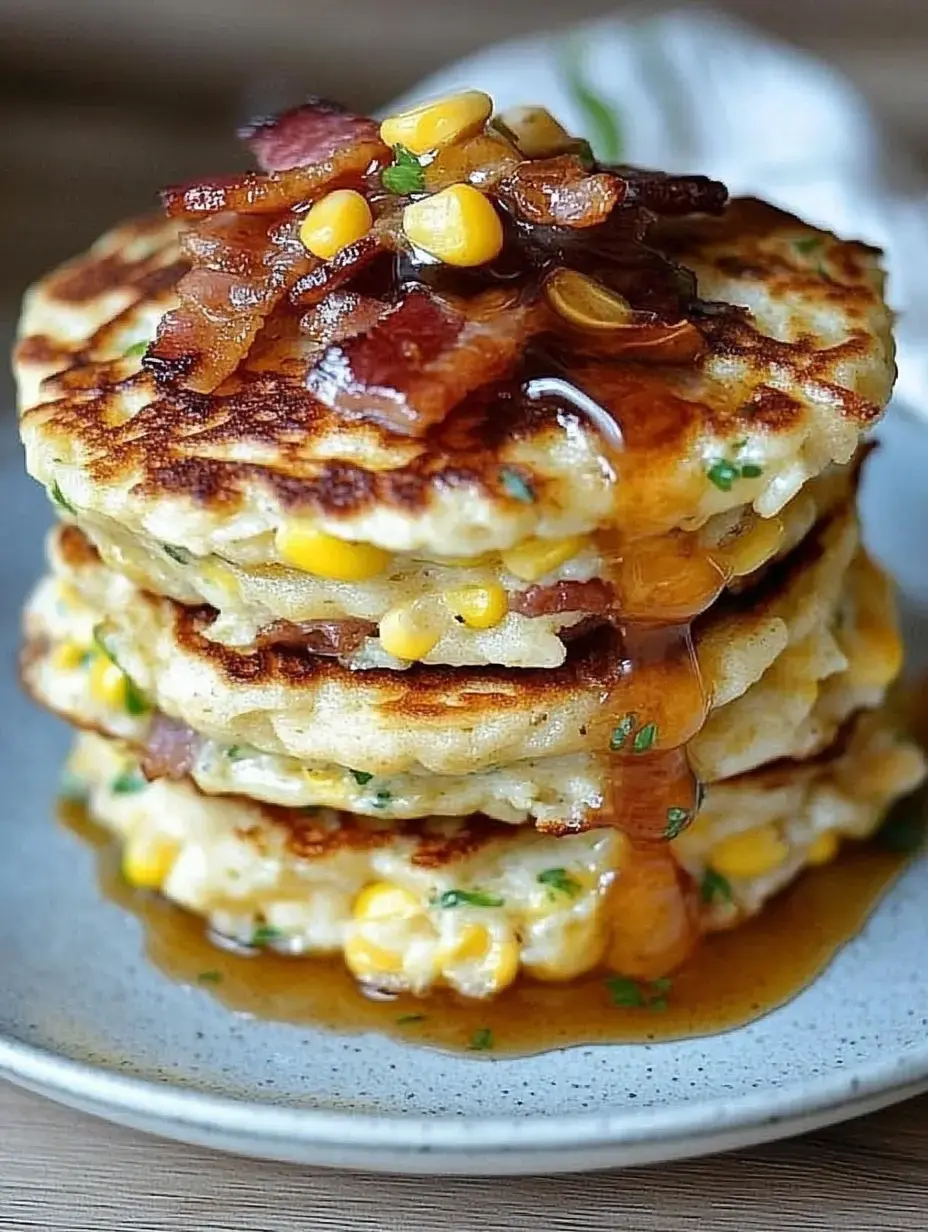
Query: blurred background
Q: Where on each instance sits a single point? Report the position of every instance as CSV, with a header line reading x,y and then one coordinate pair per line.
x,y
101,101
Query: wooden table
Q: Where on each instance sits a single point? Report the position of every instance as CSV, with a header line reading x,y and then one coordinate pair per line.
x,y
99,103
60,1170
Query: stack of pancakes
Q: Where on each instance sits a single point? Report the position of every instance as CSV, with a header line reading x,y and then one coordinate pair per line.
x,y
439,703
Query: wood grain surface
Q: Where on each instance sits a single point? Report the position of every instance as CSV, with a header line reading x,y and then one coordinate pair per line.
x,y
101,101
63,1172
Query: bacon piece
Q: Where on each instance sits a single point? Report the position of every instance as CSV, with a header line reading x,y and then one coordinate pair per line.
x,y
321,637
423,357
342,315
309,133
202,342
561,192
671,195
595,597
171,749
252,192
325,276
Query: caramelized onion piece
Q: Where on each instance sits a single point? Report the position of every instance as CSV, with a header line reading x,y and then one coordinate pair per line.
x,y
673,195
423,357
482,161
314,131
560,192
252,192
585,303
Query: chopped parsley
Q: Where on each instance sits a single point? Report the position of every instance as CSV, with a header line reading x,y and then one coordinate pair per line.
x,y
724,473
265,933
629,994
559,881
58,498
481,1040
714,887
382,800
127,783
406,1020
405,174
209,977
361,778
676,820
468,898
136,702
181,555
808,244
235,752
584,152
622,731
645,738
516,486
136,350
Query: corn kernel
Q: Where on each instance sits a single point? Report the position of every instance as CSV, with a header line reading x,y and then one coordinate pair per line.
x,y
497,959
536,557
305,547
753,853
67,656
107,682
366,960
457,225
823,849
146,863
480,607
579,947
408,631
383,900
535,130
437,123
336,220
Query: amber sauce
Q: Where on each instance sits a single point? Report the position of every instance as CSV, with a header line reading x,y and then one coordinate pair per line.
x,y
732,978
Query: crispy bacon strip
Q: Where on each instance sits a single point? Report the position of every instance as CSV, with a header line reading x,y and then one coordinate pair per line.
x,y
306,134
321,637
561,192
171,749
595,597
325,276
423,357
342,315
253,192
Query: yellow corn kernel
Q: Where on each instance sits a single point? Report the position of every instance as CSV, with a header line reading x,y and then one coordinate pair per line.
x,y
323,780
305,547
383,900
67,656
457,225
146,863
579,948
498,959
367,960
408,631
823,849
336,220
753,548
107,682
480,607
438,123
753,853
536,557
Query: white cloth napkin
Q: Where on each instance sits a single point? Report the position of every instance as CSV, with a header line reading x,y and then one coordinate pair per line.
x,y
695,91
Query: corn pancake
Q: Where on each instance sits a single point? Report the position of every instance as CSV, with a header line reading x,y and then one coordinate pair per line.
x,y
464,903
787,388
842,664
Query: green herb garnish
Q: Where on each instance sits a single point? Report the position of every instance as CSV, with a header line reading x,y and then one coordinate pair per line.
x,y
58,498
515,486
127,783
559,880
382,800
622,731
361,778
209,977
602,121
645,738
807,244
235,752
405,1020
181,555
714,887
724,473
135,700
265,933
134,351
629,994
676,820
750,470
481,1040
405,174
468,898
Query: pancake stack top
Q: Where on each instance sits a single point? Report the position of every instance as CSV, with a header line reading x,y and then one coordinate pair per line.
x,y
437,480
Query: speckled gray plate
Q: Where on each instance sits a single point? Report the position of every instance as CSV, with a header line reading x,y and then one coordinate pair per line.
x,y
86,1021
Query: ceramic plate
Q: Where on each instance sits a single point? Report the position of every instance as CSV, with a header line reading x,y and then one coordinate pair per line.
x,y
84,1019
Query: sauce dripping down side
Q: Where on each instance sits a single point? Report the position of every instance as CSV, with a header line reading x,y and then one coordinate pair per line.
x,y
733,978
